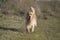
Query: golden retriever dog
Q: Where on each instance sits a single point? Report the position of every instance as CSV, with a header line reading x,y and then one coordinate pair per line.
x,y
31,21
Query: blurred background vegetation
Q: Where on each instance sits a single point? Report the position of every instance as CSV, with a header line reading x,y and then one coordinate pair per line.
x,y
16,6
19,7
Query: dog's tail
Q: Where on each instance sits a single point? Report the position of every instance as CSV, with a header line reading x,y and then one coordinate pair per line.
x,y
33,10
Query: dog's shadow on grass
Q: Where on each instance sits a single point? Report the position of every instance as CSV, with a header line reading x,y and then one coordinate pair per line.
x,y
11,29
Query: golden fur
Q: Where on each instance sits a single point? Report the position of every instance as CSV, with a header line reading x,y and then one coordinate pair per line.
x,y
31,21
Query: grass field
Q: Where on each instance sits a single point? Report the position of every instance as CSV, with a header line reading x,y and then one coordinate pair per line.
x,y
13,28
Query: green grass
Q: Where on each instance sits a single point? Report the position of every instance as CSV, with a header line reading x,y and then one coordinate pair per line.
x,y
14,29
